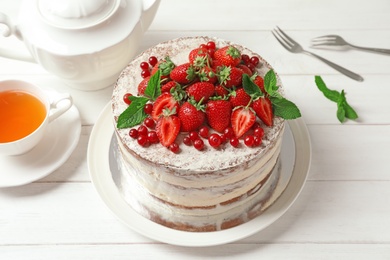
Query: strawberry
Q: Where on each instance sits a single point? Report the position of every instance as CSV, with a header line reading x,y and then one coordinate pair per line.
x,y
263,109
221,91
207,74
142,86
191,116
218,114
165,66
167,128
228,56
259,81
168,86
183,73
245,69
230,76
201,90
199,57
239,98
242,120
165,100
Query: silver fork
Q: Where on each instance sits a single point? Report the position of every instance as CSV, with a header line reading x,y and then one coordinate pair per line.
x,y
294,47
335,40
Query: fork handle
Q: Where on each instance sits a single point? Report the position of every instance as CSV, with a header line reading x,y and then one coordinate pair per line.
x,y
344,71
378,50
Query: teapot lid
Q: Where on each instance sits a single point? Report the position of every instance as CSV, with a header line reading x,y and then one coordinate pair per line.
x,y
76,14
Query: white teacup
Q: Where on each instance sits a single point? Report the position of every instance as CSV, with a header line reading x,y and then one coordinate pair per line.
x,y
55,106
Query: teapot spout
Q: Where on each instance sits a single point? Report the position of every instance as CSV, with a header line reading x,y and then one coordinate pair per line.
x,y
149,12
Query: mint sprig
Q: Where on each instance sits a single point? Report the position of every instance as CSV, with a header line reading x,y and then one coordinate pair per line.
x,y
282,107
344,110
134,113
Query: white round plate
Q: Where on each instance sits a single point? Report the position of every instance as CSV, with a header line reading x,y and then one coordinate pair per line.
x,y
295,154
59,141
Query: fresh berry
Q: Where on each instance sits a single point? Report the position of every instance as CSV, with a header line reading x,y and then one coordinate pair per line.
x,y
207,74
234,142
126,98
165,100
242,120
259,81
210,45
142,140
193,136
187,140
199,57
215,140
145,73
167,128
183,73
257,141
255,60
249,140
204,132
199,144
221,91
148,108
239,98
144,65
201,90
152,137
149,122
142,130
230,77
152,60
218,114
258,132
168,86
142,86
228,56
165,66
245,58
191,116
174,147
245,69
133,133
228,132
263,109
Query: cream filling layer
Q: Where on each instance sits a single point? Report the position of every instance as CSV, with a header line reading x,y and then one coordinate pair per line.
x,y
152,179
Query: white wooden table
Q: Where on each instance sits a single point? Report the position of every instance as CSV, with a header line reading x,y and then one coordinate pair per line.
x,y
343,211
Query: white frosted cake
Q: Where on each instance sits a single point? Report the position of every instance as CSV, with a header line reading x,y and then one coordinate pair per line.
x,y
214,186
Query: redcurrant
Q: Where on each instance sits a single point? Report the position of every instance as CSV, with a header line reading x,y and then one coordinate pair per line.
x,y
144,65
152,137
148,108
199,144
152,60
249,140
142,140
234,141
204,132
215,140
133,133
149,122
174,147
126,98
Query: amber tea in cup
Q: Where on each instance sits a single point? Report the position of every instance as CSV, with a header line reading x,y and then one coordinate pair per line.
x,y
21,114
25,112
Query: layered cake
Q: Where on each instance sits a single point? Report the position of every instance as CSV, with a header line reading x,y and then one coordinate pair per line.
x,y
185,166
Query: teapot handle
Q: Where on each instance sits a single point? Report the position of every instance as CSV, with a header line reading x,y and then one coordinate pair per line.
x,y
149,11
9,30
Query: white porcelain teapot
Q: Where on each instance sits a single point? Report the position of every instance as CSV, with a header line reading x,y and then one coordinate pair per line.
x,y
85,42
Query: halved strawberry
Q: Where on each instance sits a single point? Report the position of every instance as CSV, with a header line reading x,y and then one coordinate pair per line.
x,y
142,86
239,97
167,128
228,56
165,100
243,119
201,90
183,73
191,116
218,114
263,109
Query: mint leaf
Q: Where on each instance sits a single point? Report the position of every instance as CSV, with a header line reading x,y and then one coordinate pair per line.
x,y
344,110
332,95
250,87
134,113
270,82
153,90
285,108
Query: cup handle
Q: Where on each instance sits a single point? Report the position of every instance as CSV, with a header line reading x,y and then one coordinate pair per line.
x,y
59,105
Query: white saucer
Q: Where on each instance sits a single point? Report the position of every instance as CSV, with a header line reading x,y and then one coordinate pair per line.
x,y
57,145
295,156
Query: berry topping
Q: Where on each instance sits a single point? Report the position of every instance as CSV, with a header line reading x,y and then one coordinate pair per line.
x,y
242,120
167,128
